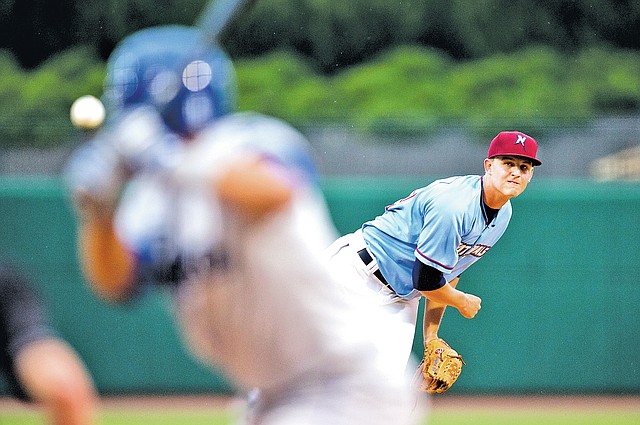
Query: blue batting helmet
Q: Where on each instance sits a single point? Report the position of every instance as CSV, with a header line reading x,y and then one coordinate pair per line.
x,y
174,68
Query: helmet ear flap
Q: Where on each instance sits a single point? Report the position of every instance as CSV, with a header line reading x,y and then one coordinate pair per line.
x,y
189,112
207,92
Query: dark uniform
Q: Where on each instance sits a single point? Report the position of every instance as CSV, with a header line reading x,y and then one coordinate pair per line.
x,y
22,321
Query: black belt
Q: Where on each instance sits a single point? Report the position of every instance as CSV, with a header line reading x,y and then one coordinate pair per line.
x,y
367,259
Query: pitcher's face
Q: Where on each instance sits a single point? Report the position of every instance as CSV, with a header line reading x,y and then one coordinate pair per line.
x,y
508,175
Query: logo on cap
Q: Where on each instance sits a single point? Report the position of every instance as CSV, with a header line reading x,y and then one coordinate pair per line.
x,y
520,141
506,142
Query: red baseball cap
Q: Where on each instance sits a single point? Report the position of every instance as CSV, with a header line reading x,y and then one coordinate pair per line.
x,y
514,143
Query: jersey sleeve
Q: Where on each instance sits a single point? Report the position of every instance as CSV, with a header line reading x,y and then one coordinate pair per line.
x,y
441,235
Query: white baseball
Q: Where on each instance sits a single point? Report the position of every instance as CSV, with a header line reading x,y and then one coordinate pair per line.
x,y
87,112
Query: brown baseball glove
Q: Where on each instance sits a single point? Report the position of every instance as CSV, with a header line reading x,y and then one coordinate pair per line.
x,y
439,368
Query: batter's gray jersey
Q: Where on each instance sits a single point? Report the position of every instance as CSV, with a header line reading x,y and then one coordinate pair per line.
x,y
257,300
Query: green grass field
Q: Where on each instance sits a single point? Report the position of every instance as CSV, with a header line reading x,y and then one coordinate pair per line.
x,y
129,418
466,417
471,417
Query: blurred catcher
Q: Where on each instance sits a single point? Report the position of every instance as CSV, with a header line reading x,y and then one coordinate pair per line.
x,y
38,365
223,209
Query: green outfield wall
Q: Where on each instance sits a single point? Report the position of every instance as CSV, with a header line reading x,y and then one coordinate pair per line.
x,y
560,292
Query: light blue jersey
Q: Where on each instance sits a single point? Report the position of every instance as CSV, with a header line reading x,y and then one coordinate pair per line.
x,y
443,225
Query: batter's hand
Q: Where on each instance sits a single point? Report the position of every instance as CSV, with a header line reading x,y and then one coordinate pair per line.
x,y
469,306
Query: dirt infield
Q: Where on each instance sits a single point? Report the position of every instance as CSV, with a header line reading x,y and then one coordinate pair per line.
x,y
441,402
528,402
454,402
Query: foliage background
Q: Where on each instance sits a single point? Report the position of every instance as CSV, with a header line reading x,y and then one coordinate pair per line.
x,y
383,67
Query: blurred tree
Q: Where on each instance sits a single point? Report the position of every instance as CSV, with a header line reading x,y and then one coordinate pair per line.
x,y
103,23
335,35
331,35
34,105
34,30
615,21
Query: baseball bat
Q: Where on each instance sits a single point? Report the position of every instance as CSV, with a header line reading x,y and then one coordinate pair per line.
x,y
220,15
